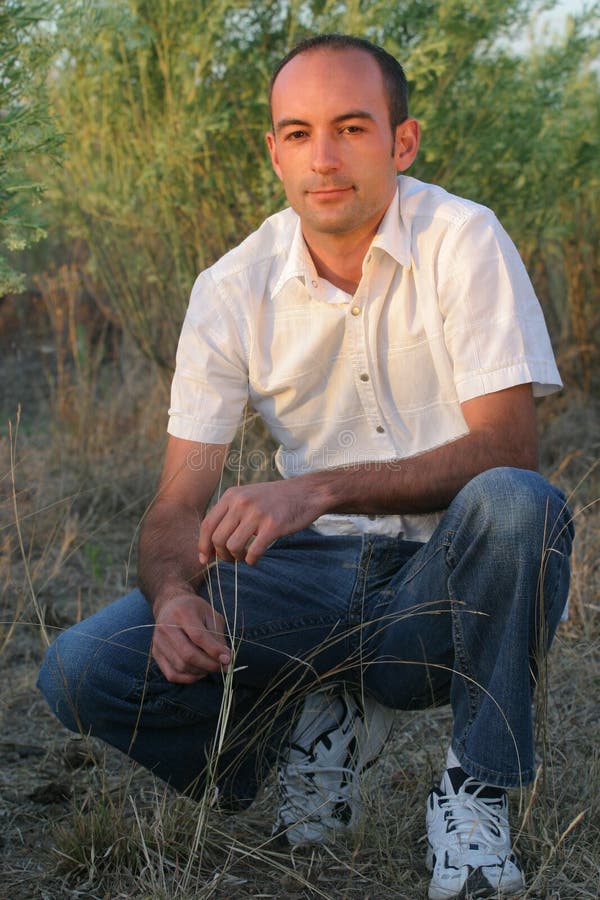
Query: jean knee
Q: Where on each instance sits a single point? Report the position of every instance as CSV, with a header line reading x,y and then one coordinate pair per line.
x,y
517,505
60,680
97,659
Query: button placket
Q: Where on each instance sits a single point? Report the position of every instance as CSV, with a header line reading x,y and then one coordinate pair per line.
x,y
360,364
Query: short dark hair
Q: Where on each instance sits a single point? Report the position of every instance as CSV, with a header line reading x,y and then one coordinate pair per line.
x,y
392,72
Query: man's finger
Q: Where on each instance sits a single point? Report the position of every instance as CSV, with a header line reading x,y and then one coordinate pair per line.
x,y
195,644
257,545
173,666
211,644
239,540
177,675
207,528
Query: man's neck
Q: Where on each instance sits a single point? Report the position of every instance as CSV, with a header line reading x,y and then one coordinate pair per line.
x,y
339,262
339,257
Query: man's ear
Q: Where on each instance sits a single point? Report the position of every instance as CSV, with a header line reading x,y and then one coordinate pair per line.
x,y
272,145
406,144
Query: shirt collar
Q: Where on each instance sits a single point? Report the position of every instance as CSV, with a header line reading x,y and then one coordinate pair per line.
x,y
392,237
298,264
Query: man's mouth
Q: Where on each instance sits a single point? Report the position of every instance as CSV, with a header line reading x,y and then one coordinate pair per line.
x,y
330,192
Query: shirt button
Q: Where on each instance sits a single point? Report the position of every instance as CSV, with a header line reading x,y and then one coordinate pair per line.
x,y
364,377
380,429
355,310
315,283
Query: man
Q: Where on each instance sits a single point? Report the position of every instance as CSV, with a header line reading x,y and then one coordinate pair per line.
x,y
389,337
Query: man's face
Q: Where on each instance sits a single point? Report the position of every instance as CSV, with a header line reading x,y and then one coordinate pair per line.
x,y
332,144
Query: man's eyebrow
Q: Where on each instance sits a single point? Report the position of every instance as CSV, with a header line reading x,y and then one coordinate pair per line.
x,y
354,114
284,123
351,114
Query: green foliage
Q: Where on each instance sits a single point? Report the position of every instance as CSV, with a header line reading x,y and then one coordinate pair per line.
x,y
165,166
165,104
508,130
26,129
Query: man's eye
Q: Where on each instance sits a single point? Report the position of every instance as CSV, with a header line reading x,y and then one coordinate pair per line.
x,y
353,129
295,135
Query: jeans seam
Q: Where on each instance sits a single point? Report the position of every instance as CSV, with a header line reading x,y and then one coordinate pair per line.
x,y
465,674
356,604
176,710
564,559
468,682
164,703
284,626
424,563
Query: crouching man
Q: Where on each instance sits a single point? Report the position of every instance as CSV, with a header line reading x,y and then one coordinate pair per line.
x,y
387,333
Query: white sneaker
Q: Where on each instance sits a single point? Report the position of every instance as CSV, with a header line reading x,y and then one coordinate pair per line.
x,y
335,739
469,851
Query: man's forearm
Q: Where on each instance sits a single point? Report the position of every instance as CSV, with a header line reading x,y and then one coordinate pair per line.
x,y
168,552
502,432
419,484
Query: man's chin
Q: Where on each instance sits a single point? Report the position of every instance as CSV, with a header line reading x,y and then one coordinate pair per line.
x,y
330,224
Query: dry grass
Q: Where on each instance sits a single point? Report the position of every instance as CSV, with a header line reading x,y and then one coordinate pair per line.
x,y
78,821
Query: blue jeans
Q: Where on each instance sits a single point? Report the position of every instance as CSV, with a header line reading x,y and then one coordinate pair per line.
x,y
465,618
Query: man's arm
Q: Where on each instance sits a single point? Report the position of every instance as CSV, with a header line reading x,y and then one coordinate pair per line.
x,y
189,636
502,432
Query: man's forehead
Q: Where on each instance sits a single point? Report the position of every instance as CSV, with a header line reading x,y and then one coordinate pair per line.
x,y
319,58
334,69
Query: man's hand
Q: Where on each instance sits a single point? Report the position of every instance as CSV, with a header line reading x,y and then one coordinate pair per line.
x,y
189,638
246,520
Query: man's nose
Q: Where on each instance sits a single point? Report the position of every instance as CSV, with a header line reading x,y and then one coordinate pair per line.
x,y
325,156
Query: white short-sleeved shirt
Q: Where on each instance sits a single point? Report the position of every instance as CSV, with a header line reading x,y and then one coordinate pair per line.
x,y
444,312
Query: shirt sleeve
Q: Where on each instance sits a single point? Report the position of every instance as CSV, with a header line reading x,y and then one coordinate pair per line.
x,y
494,326
210,385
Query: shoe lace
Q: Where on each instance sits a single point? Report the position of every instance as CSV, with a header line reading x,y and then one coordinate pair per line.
x,y
299,782
474,819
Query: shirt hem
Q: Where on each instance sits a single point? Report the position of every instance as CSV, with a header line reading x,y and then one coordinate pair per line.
x,y
542,378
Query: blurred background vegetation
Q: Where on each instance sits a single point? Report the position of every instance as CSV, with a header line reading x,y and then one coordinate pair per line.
x,y
161,108
27,135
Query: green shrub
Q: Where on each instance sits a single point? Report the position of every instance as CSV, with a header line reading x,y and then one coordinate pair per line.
x,y
26,129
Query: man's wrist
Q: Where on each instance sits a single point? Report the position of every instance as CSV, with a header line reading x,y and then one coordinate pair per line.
x,y
324,490
166,593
